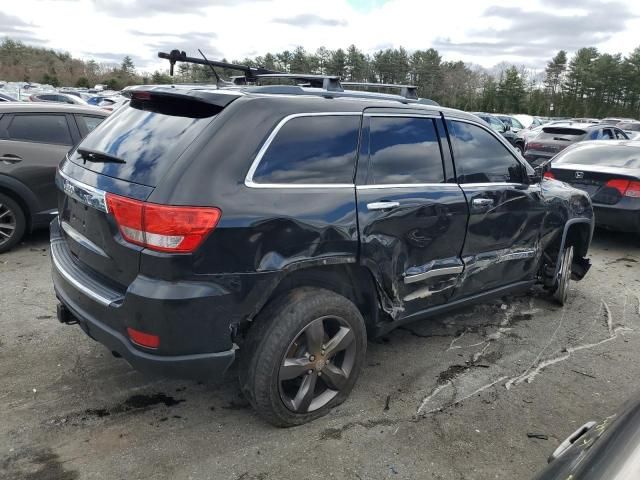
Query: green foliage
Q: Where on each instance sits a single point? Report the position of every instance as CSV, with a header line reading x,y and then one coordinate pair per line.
x,y
82,82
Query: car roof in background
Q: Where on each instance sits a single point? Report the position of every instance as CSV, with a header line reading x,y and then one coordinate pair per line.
x,y
605,143
49,107
570,124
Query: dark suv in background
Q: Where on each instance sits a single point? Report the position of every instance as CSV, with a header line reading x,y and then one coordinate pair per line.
x,y
284,224
34,138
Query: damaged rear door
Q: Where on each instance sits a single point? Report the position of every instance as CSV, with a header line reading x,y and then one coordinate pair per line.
x,y
411,222
505,211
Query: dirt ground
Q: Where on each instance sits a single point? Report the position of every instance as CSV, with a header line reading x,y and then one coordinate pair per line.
x,y
459,397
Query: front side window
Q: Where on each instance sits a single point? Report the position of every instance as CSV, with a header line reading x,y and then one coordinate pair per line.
x,y
516,124
40,128
404,150
620,135
480,157
317,149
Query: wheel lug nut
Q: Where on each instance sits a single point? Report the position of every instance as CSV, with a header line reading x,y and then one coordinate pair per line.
x,y
312,358
309,372
319,374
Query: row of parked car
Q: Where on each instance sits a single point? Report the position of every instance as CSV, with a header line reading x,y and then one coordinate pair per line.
x,y
107,100
539,139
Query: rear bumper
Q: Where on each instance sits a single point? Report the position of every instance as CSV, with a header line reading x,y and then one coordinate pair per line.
x,y
616,218
194,320
204,366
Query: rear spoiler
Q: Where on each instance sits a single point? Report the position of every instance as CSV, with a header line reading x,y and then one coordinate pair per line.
x,y
219,98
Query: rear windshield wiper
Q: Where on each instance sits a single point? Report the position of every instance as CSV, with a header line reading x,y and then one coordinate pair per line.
x,y
98,157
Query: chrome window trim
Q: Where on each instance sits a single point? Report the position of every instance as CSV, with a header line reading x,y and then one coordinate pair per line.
x,y
84,193
437,272
69,278
490,184
434,115
249,182
407,185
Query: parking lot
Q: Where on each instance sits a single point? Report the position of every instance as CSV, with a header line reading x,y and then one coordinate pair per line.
x,y
487,392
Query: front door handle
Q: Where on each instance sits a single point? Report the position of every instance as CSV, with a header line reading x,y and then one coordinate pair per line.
x,y
482,202
9,158
382,205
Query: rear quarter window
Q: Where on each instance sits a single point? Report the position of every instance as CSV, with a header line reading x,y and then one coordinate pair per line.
x,y
311,150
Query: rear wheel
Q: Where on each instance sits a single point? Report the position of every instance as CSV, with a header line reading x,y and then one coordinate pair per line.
x,y
303,356
520,148
12,223
561,293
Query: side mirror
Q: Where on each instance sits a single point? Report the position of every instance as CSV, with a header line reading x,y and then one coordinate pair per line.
x,y
539,172
506,127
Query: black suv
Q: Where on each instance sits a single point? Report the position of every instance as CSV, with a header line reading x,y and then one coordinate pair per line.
x,y
284,224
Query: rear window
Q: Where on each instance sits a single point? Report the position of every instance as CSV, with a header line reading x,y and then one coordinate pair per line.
x,y
149,136
621,156
561,134
312,150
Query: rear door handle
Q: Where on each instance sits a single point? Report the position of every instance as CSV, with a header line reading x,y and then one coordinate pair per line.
x,y
482,202
9,158
382,205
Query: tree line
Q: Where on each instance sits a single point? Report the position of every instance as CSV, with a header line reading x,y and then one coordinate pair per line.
x,y
589,83
24,63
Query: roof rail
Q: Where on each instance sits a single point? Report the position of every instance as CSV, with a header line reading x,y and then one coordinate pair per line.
x,y
406,91
330,83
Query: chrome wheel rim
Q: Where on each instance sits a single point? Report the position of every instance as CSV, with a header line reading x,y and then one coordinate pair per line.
x,y
317,365
7,223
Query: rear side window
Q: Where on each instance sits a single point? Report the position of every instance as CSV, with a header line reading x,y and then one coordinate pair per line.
x,y
403,151
89,122
40,128
480,157
312,150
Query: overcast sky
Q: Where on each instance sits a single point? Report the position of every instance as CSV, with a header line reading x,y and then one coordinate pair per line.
x,y
485,32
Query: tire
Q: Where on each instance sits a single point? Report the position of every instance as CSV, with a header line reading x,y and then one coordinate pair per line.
x,y
282,343
561,293
519,148
13,223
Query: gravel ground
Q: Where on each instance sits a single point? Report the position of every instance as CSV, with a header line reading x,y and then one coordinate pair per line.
x,y
451,398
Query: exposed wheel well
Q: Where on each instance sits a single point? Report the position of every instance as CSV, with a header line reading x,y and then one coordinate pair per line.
x,y
578,236
349,280
23,205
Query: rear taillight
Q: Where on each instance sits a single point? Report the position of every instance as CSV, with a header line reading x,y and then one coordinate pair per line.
x,y
627,188
534,146
164,228
549,175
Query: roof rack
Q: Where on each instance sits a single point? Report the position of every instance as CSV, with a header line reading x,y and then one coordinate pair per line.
x,y
406,91
252,74
331,84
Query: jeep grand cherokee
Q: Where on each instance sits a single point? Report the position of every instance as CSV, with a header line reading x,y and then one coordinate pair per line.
x,y
284,224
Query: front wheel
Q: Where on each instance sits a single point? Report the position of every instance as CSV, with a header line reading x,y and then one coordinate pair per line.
x,y
561,294
303,356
